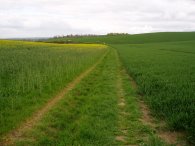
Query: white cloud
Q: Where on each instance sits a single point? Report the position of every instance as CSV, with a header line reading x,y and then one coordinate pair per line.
x,y
31,18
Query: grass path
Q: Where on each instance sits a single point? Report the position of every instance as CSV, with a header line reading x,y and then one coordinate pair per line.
x,y
38,115
131,132
122,114
101,109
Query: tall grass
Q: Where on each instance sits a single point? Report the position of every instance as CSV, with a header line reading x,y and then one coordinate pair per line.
x,y
165,73
31,73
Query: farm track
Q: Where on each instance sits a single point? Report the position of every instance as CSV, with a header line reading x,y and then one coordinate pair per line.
x,y
17,134
123,115
121,106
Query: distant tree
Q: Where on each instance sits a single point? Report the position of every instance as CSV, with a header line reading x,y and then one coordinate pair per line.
x,y
73,36
113,34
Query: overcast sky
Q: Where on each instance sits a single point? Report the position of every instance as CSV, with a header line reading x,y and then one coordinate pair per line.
x,y
43,18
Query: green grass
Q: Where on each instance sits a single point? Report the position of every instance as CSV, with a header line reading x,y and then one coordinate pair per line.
x,y
89,114
162,64
131,39
31,73
155,141
165,74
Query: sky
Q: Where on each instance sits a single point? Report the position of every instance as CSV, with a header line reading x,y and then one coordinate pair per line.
x,y
47,18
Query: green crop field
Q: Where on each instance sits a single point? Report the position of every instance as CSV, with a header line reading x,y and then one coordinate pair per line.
x,y
99,91
165,73
31,73
129,39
